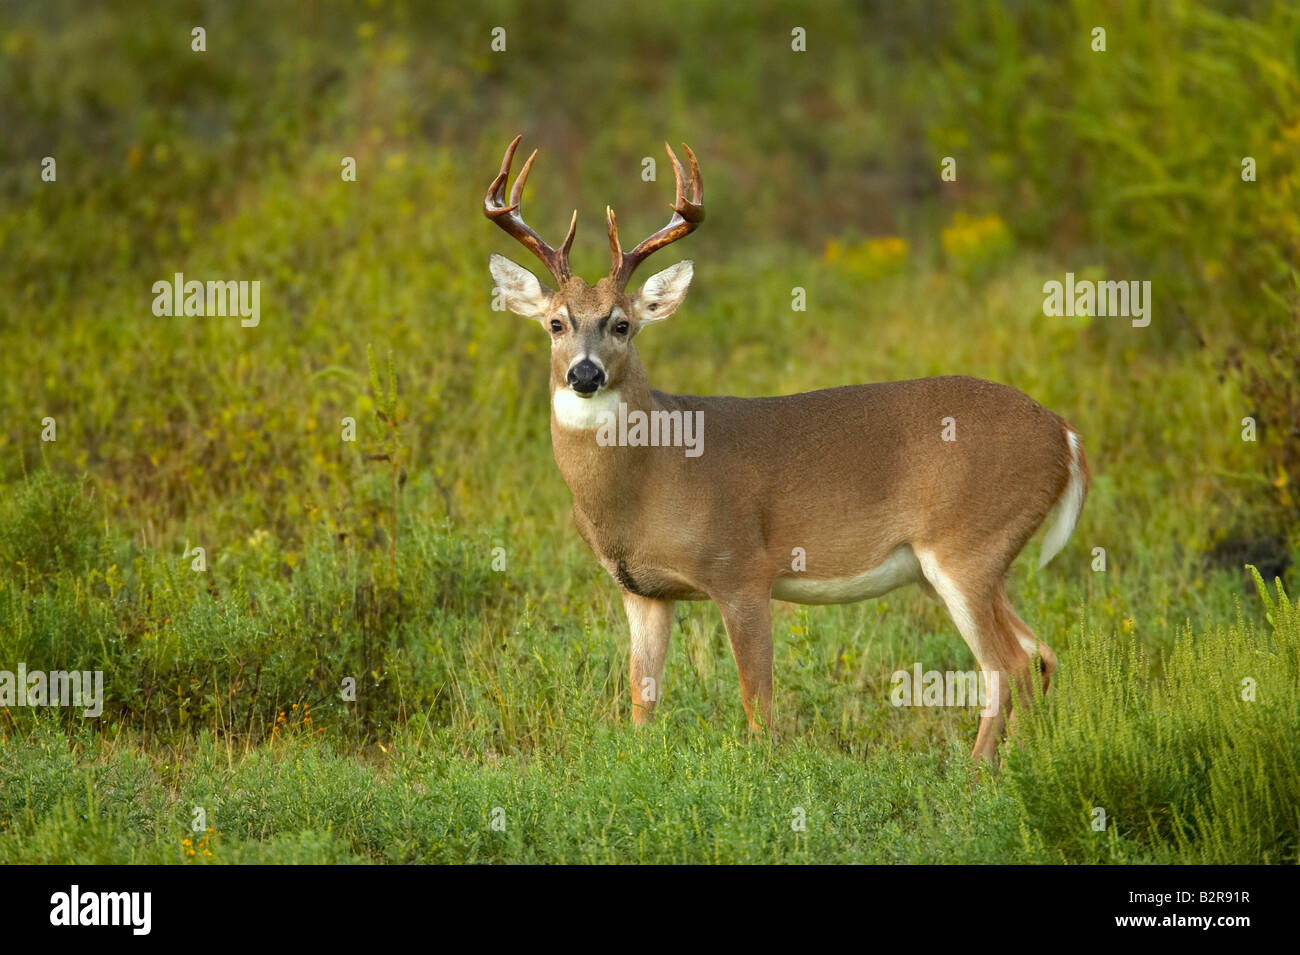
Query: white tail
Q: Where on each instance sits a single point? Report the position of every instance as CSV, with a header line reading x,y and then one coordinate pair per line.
x,y
1065,513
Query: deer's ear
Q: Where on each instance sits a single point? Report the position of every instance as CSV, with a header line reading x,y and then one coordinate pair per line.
x,y
663,292
523,294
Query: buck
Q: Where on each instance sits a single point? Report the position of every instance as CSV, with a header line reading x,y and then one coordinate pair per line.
x,y
825,497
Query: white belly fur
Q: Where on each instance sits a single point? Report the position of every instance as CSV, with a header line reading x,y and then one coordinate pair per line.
x,y
899,569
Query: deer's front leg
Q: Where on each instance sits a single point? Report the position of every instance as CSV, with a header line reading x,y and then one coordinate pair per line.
x,y
748,621
651,624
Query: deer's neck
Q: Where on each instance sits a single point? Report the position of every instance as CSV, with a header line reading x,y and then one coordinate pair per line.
x,y
605,478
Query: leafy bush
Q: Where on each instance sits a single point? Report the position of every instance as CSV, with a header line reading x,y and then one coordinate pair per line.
x,y
1199,763
49,526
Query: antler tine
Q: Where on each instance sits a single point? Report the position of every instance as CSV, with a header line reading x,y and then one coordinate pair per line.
x,y
568,239
697,180
509,218
687,214
496,195
516,193
615,250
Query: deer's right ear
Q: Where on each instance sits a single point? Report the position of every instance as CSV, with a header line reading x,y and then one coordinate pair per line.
x,y
523,294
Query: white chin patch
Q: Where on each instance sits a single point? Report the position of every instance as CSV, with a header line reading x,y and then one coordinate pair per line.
x,y
584,414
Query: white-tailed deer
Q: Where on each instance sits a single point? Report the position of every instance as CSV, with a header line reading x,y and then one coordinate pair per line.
x,y
825,497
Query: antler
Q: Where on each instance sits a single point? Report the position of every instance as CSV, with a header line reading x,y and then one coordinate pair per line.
x,y
508,216
687,214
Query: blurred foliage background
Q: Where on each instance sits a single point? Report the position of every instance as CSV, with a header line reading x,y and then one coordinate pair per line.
x,y
821,171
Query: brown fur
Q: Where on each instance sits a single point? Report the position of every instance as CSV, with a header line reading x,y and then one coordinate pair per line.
x,y
847,474
852,476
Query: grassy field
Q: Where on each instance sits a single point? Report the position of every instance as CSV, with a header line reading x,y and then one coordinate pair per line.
x,y
488,649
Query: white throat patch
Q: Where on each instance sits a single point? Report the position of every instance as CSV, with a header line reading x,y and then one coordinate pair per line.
x,y
584,414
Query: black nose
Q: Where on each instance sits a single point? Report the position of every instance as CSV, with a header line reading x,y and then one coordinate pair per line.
x,y
585,377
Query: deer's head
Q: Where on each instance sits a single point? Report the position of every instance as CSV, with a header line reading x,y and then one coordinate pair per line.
x,y
591,327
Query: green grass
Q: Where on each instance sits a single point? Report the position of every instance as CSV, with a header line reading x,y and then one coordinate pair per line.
x,y
1188,772
480,689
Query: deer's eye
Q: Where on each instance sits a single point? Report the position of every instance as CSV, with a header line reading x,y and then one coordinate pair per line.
x,y
557,326
620,328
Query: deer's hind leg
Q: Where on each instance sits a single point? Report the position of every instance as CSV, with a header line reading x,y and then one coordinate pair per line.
x,y
1034,647
1040,656
978,605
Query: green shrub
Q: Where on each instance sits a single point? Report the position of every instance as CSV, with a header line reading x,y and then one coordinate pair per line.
x,y
1203,761
48,526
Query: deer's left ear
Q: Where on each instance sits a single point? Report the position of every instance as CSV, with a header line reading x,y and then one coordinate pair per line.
x,y
663,292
